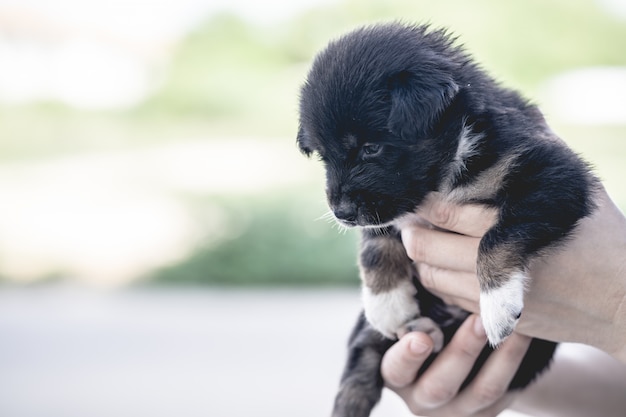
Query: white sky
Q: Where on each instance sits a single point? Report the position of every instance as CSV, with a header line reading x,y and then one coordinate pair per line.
x,y
156,18
91,72
104,62
165,18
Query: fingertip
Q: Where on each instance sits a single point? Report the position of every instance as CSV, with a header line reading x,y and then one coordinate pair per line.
x,y
419,344
402,361
479,328
408,235
471,336
438,212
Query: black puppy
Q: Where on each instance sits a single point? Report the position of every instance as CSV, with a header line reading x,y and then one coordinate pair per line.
x,y
396,112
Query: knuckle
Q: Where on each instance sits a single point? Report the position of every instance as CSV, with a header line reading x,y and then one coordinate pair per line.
x,y
395,377
416,409
427,276
488,393
435,393
444,215
469,347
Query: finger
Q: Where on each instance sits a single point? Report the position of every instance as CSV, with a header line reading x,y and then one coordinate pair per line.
x,y
402,360
470,220
443,378
441,249
463,303
493,410
452,286
496,408
493,379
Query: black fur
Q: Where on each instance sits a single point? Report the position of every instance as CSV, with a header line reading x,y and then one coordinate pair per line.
x,y
387,109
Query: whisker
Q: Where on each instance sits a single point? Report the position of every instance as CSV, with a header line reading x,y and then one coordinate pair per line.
x,y
328,216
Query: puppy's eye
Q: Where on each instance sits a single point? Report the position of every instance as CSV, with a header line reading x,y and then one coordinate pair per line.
x,y
371,149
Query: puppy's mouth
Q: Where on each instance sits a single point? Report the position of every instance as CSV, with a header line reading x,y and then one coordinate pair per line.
x,y
358,217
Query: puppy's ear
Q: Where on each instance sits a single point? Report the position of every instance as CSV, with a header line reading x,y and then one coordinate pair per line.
x,y
302,141
417,101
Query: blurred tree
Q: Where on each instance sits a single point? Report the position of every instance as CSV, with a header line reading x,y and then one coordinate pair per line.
x,y
230,69
218,70
270,241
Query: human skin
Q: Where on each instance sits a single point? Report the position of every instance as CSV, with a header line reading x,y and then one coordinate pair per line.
x,y
577,291
435,393
577,294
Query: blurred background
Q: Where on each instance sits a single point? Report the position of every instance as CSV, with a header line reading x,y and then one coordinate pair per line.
x,y
162,242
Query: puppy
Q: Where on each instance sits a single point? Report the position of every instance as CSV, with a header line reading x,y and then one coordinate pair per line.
x,y
396,112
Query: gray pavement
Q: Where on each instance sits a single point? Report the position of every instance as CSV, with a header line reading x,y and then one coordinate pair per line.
x,y
71,352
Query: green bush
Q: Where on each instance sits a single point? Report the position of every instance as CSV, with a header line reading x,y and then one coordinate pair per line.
x,y
274,240
228,68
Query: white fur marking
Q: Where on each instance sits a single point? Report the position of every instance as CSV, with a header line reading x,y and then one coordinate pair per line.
x,y
500,308
468,144
389,311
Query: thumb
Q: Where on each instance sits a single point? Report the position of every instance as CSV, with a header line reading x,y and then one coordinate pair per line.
x,y
468,219
403,360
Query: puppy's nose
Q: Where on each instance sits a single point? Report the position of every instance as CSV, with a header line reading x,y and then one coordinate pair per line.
x,y
345,211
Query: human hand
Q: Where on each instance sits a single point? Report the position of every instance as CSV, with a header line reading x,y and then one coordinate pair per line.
x,y
436,392
577,292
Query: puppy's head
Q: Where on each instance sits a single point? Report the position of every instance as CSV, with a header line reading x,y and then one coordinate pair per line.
x,y
370,110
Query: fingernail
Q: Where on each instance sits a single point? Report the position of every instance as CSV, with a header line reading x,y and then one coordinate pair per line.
x,y
418,348
479,330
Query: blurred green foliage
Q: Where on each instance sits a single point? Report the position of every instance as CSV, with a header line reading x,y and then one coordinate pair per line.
x,y
272,241
278,239
230,77
219,70
228,69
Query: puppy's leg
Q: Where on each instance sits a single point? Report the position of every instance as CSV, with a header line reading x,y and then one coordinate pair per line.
x,y
502,277
386,274
503,257
361,382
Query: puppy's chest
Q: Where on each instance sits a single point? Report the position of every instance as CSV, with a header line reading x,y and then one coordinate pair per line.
x,y
483,187
476,187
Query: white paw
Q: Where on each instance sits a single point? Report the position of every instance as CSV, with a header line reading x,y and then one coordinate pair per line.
x,y
389,311
500,308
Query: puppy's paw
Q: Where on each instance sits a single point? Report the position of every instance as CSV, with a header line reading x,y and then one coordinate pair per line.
x,y
501,308
428,326
388,311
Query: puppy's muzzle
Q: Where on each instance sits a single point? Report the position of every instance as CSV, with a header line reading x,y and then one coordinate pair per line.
x,y
346,212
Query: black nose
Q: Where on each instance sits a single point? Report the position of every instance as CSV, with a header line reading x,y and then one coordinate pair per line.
x,y
346,212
